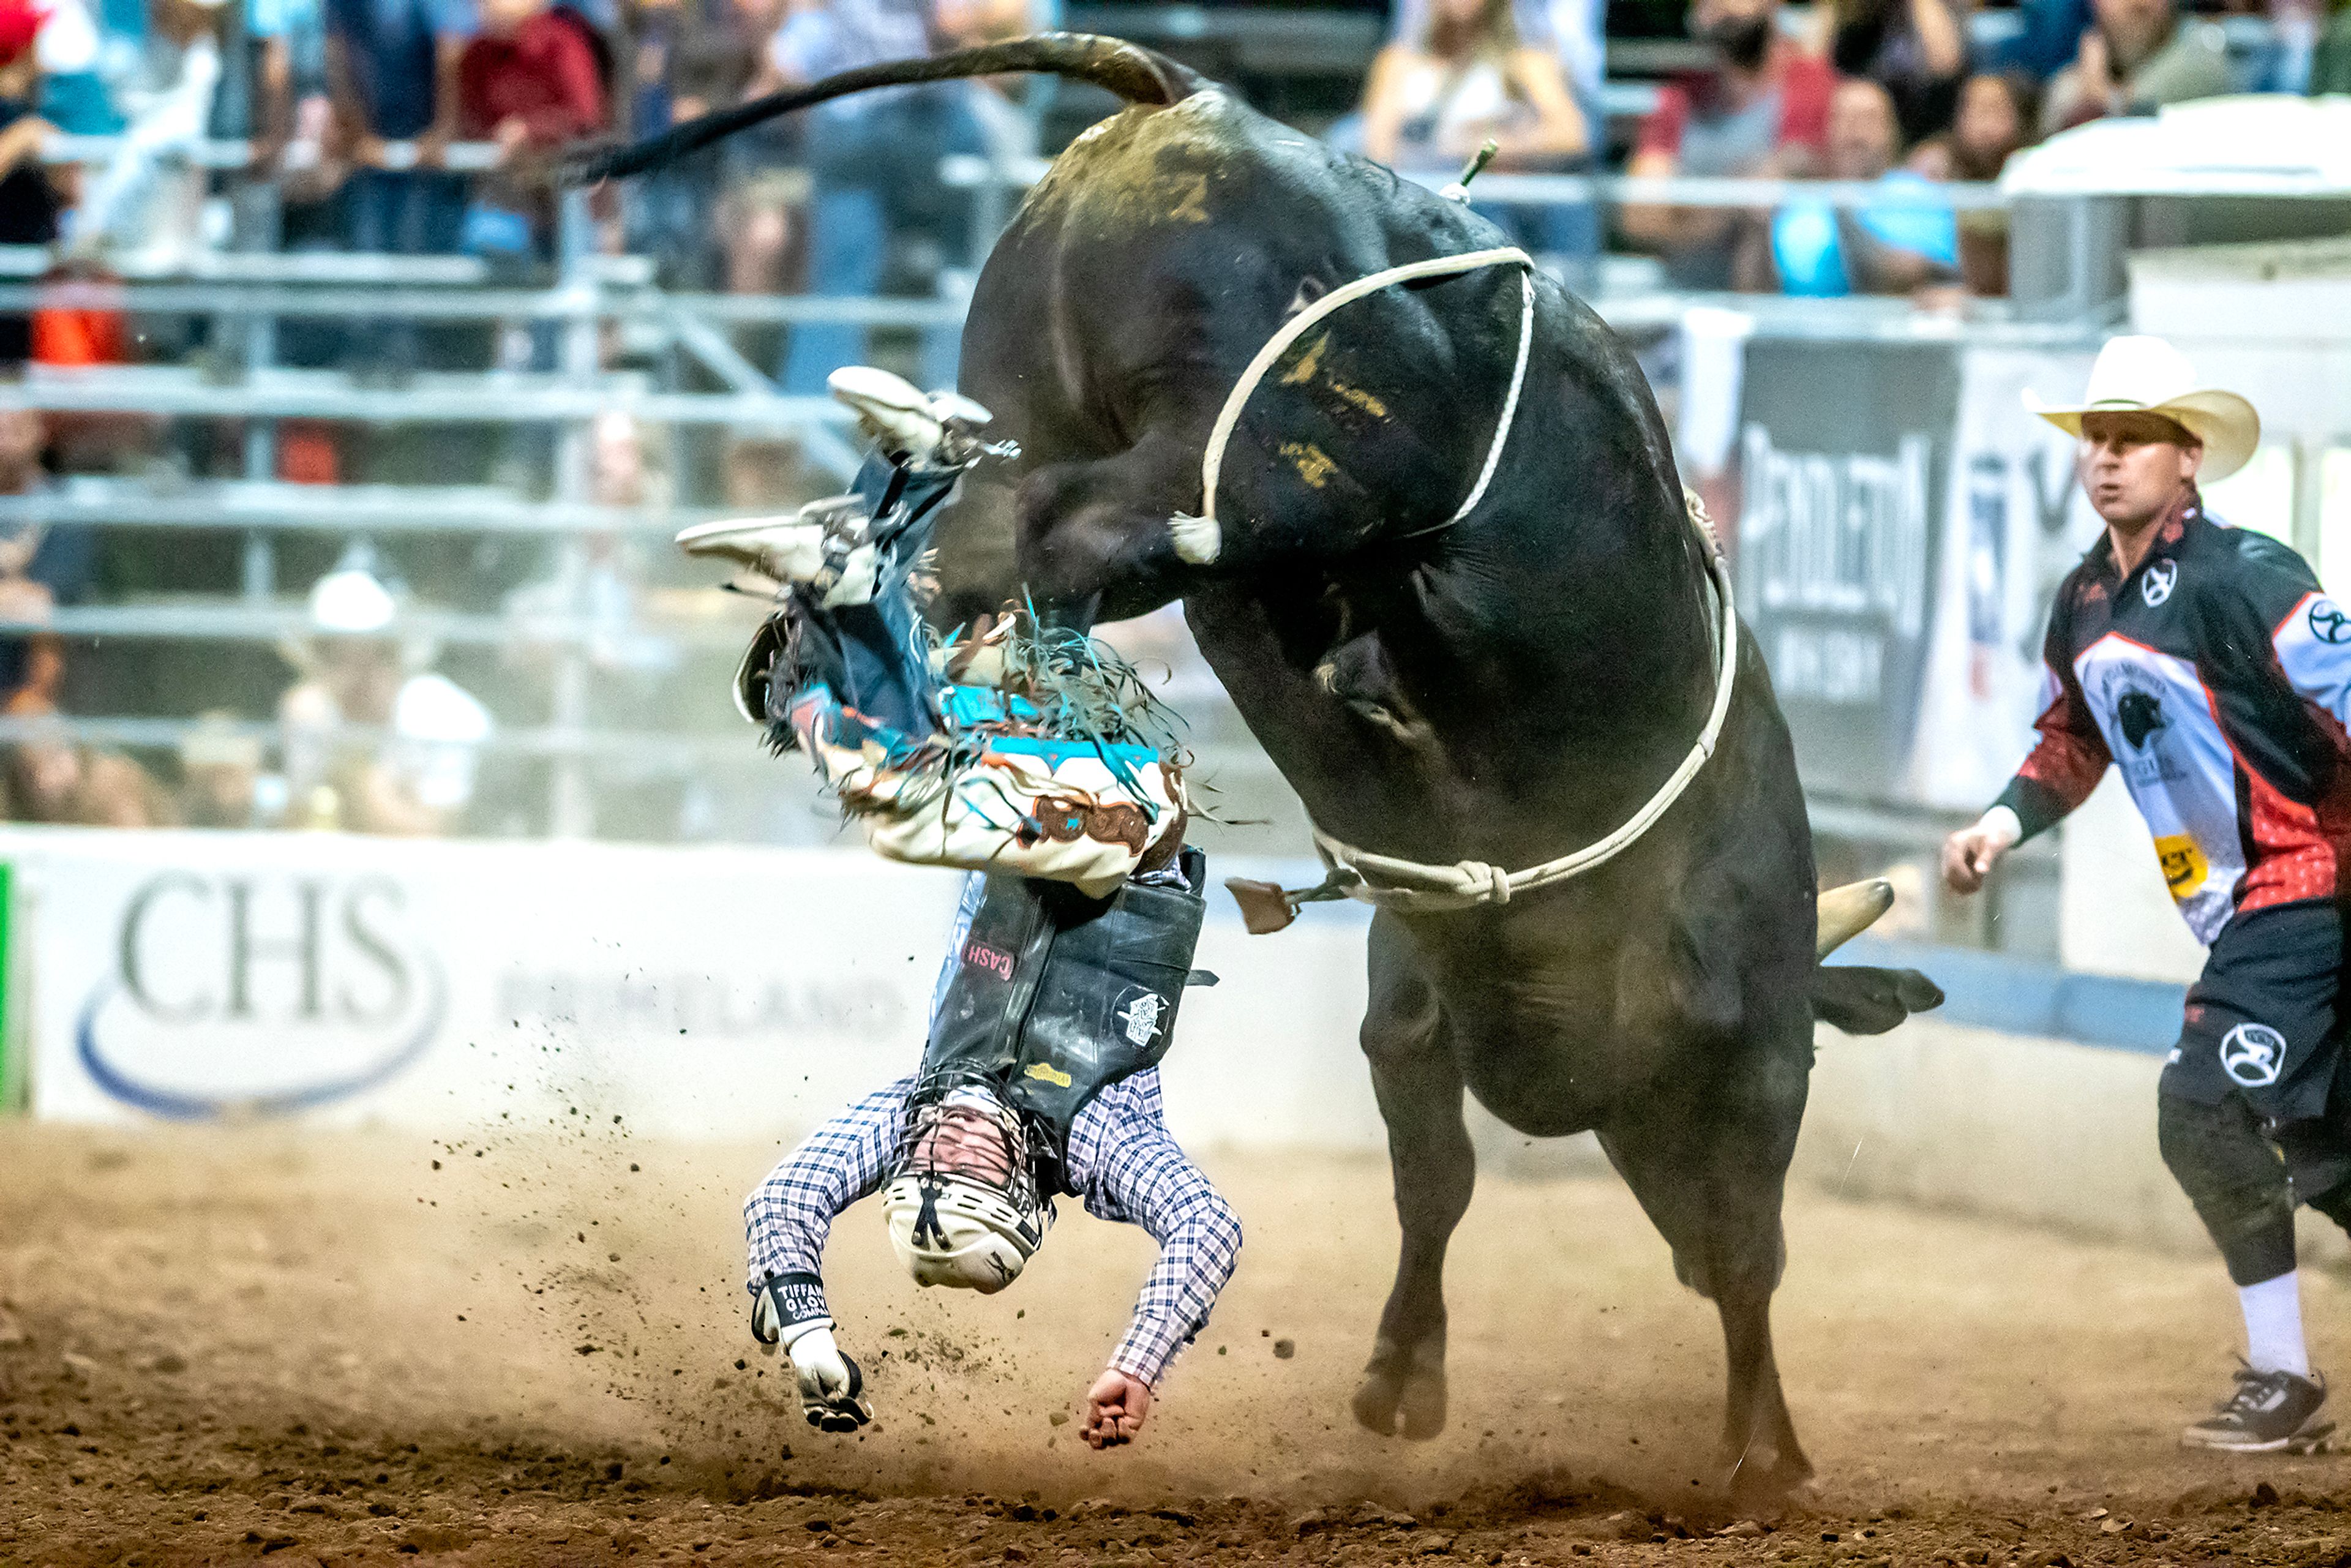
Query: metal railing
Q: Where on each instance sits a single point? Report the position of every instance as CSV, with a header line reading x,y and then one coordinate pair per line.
x,y
969,170
246,293
234,622
458,157
283,506
253,290
676,752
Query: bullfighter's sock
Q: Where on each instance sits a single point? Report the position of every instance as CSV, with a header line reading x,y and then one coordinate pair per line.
x,y
2274,1324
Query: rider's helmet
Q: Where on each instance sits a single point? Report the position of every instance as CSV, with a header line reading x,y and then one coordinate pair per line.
x,y
962,1207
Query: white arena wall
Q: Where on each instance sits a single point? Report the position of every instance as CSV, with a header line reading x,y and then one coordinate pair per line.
x,y
1972,1121
471,988
696,992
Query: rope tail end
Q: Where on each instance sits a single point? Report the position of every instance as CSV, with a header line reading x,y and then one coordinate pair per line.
x,y
1267,906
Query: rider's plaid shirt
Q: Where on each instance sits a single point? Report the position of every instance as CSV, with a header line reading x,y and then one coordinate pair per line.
x,y
1122,1163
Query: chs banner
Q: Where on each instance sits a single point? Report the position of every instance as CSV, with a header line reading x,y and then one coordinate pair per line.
x,y
206,976
726,992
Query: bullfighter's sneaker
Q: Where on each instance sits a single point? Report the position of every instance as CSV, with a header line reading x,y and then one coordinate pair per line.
x,y
2270,1413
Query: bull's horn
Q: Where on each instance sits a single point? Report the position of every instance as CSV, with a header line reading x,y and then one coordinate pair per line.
x,y
1846,912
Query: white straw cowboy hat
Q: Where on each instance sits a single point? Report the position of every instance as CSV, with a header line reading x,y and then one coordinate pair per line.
x,y
352,602
2147,375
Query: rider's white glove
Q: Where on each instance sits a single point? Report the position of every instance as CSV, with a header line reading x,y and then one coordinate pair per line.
x,y
788,1311
832,1386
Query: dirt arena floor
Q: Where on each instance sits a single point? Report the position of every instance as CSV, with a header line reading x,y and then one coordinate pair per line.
x,y
258,1344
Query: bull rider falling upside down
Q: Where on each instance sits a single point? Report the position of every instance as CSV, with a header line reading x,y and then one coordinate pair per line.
x,y
1034,759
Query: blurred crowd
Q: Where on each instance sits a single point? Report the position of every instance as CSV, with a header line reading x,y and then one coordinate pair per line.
x,y
358,719
1893,93
353,106
432,127
1890,92
372,738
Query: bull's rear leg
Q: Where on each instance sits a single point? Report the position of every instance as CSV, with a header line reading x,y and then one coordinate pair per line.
x,y
1710,1168
1434,1167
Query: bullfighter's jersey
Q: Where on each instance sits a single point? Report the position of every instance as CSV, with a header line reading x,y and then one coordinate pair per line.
x,y
2218,675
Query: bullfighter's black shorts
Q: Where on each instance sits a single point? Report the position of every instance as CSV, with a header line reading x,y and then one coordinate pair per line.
x,y
2263,1020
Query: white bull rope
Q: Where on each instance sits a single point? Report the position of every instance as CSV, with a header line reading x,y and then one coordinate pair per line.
x,y
1415,888
1201,540
1407,886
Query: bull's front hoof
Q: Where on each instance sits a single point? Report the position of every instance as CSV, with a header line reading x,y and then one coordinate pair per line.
x,y
1766,1478
1403,1389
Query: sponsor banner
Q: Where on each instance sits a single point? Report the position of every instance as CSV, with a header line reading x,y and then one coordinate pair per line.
x,y
194,976
720,992
2015,524
1843,464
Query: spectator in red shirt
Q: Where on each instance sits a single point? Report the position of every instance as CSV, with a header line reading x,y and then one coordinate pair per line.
x,y
529,81
1761,108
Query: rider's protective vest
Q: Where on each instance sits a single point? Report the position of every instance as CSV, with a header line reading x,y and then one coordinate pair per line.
x,y
1056,996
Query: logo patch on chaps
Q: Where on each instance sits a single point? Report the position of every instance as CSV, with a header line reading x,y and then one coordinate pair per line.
x,y
2253,1054
1045,1074
1138,1017
995,960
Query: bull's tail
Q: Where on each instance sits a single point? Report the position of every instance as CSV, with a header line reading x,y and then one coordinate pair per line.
x,y
1859,1000
1132,72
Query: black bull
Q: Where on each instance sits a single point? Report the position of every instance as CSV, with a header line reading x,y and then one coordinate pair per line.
x,y
1505,689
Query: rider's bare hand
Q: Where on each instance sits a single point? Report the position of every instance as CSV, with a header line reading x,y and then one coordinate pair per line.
x,y
1116,1408
1969,854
